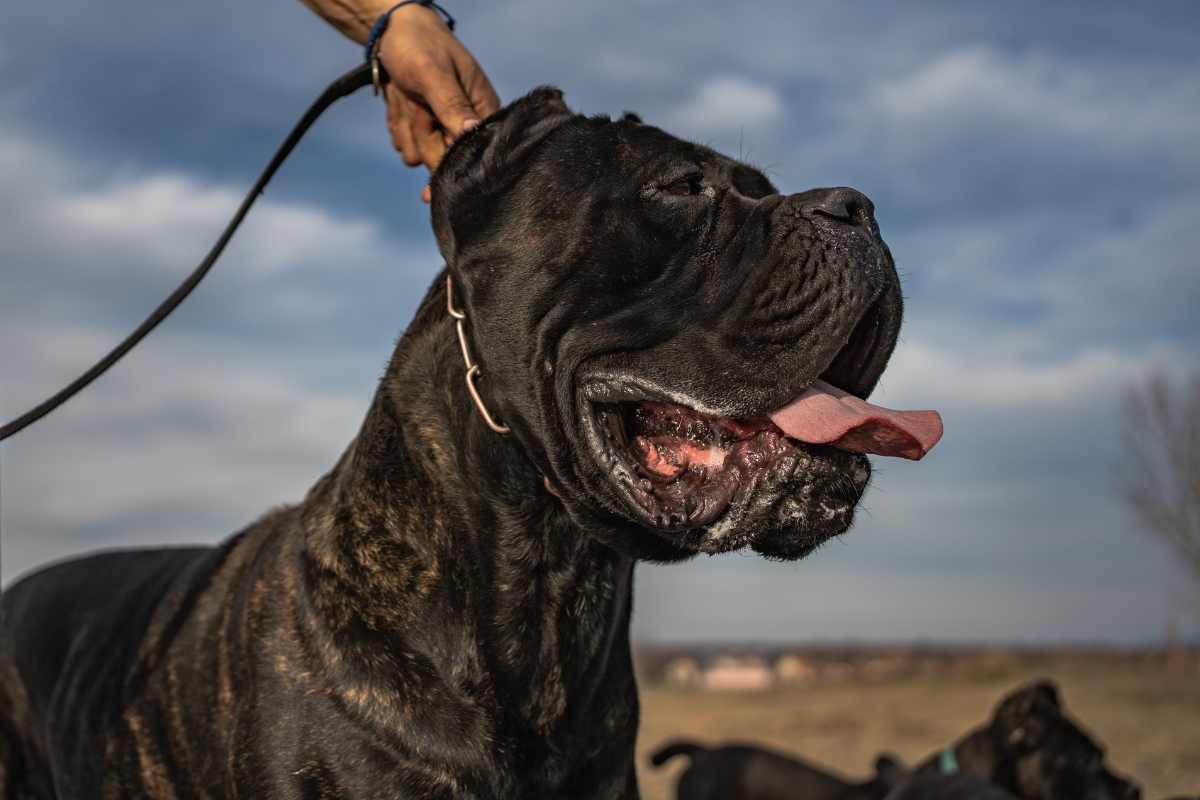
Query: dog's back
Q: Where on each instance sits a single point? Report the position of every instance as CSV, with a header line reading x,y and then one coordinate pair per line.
x,y
71,634
749,772
76,608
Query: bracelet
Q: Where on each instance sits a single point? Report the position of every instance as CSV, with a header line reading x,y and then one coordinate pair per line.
x,y
381,25
378,75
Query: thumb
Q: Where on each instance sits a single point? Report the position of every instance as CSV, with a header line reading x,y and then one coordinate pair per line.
x,y
450,104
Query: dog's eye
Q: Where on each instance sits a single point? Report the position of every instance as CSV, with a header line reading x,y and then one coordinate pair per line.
x,y
683,186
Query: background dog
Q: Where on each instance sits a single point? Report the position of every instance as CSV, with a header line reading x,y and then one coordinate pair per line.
x,y
1032,749
747,772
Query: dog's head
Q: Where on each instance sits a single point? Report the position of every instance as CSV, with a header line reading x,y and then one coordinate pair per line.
x,y
890,772
1024,718
663,331
1049,756
1070,766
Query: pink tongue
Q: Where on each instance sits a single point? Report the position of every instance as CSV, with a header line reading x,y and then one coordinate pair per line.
x,y
825,414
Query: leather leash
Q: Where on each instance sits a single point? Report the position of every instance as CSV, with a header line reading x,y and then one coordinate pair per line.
x,y
343,86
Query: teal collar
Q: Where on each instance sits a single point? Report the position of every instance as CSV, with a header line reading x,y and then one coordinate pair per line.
x,y
947,761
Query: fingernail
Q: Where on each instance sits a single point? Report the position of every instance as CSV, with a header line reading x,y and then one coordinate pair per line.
x,y
426,194
470,124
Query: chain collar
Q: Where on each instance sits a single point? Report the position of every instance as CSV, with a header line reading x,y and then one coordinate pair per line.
x,y
472,368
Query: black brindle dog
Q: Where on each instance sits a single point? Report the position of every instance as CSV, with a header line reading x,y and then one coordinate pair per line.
x,y
678,351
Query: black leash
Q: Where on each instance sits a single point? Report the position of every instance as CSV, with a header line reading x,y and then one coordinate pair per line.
x,y
347,84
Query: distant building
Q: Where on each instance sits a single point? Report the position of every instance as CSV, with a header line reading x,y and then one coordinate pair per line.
x,y
729,673
792,669
683,673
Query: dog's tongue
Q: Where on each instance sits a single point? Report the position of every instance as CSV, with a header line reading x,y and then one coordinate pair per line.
x,y
825,414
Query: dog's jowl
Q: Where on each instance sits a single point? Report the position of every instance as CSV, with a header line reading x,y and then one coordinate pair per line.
x,y
680,355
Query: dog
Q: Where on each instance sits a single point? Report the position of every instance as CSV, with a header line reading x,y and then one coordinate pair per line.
x,y
749,772
638,349
1031,749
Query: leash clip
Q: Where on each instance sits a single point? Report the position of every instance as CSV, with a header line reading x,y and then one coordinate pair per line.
x,y
376,75
472,368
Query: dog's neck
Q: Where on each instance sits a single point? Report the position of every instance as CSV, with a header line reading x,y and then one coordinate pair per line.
x,y
435,537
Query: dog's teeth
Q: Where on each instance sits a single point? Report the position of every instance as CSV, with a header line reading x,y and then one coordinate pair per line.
x,y
690,502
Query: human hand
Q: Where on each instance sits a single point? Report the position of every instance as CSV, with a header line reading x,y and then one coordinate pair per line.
x,y
436,92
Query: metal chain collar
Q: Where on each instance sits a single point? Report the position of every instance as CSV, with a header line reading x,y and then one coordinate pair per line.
x,y
472,367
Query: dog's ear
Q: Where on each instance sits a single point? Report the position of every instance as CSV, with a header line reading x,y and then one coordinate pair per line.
x,y
888,770
1046,692
1024,717
487,159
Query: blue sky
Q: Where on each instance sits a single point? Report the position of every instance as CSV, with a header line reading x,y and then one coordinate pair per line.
x,y
1035,171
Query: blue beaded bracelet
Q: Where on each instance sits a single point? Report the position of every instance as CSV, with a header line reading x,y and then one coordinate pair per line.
x,y
381,24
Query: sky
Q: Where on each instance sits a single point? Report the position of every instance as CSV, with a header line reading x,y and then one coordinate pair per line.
x,y
1035,171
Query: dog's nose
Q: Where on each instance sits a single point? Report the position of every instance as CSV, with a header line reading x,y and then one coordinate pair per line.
x,y
843,204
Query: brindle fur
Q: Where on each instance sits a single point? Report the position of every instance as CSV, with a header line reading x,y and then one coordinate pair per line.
x,y
401,633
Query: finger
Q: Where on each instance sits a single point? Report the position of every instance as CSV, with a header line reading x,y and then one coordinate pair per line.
x,y
400,127
427,194
450,104
479,89
484,97
448,140
431,145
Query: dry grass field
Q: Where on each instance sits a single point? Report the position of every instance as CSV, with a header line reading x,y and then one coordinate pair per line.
x,y
1146,715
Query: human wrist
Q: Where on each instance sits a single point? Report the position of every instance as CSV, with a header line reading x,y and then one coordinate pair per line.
x,y
410,12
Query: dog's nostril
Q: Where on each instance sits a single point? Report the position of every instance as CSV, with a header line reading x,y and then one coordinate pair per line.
x,y
843,204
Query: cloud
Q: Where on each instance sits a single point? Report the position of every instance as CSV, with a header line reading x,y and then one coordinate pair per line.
x,y
983,128
96,246
925,373
1041,95
163,218
186,441
238,433
172,217
1042,285
726,104
197,432
625,66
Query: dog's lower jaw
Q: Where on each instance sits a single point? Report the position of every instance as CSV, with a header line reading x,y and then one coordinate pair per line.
x,y
497,632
